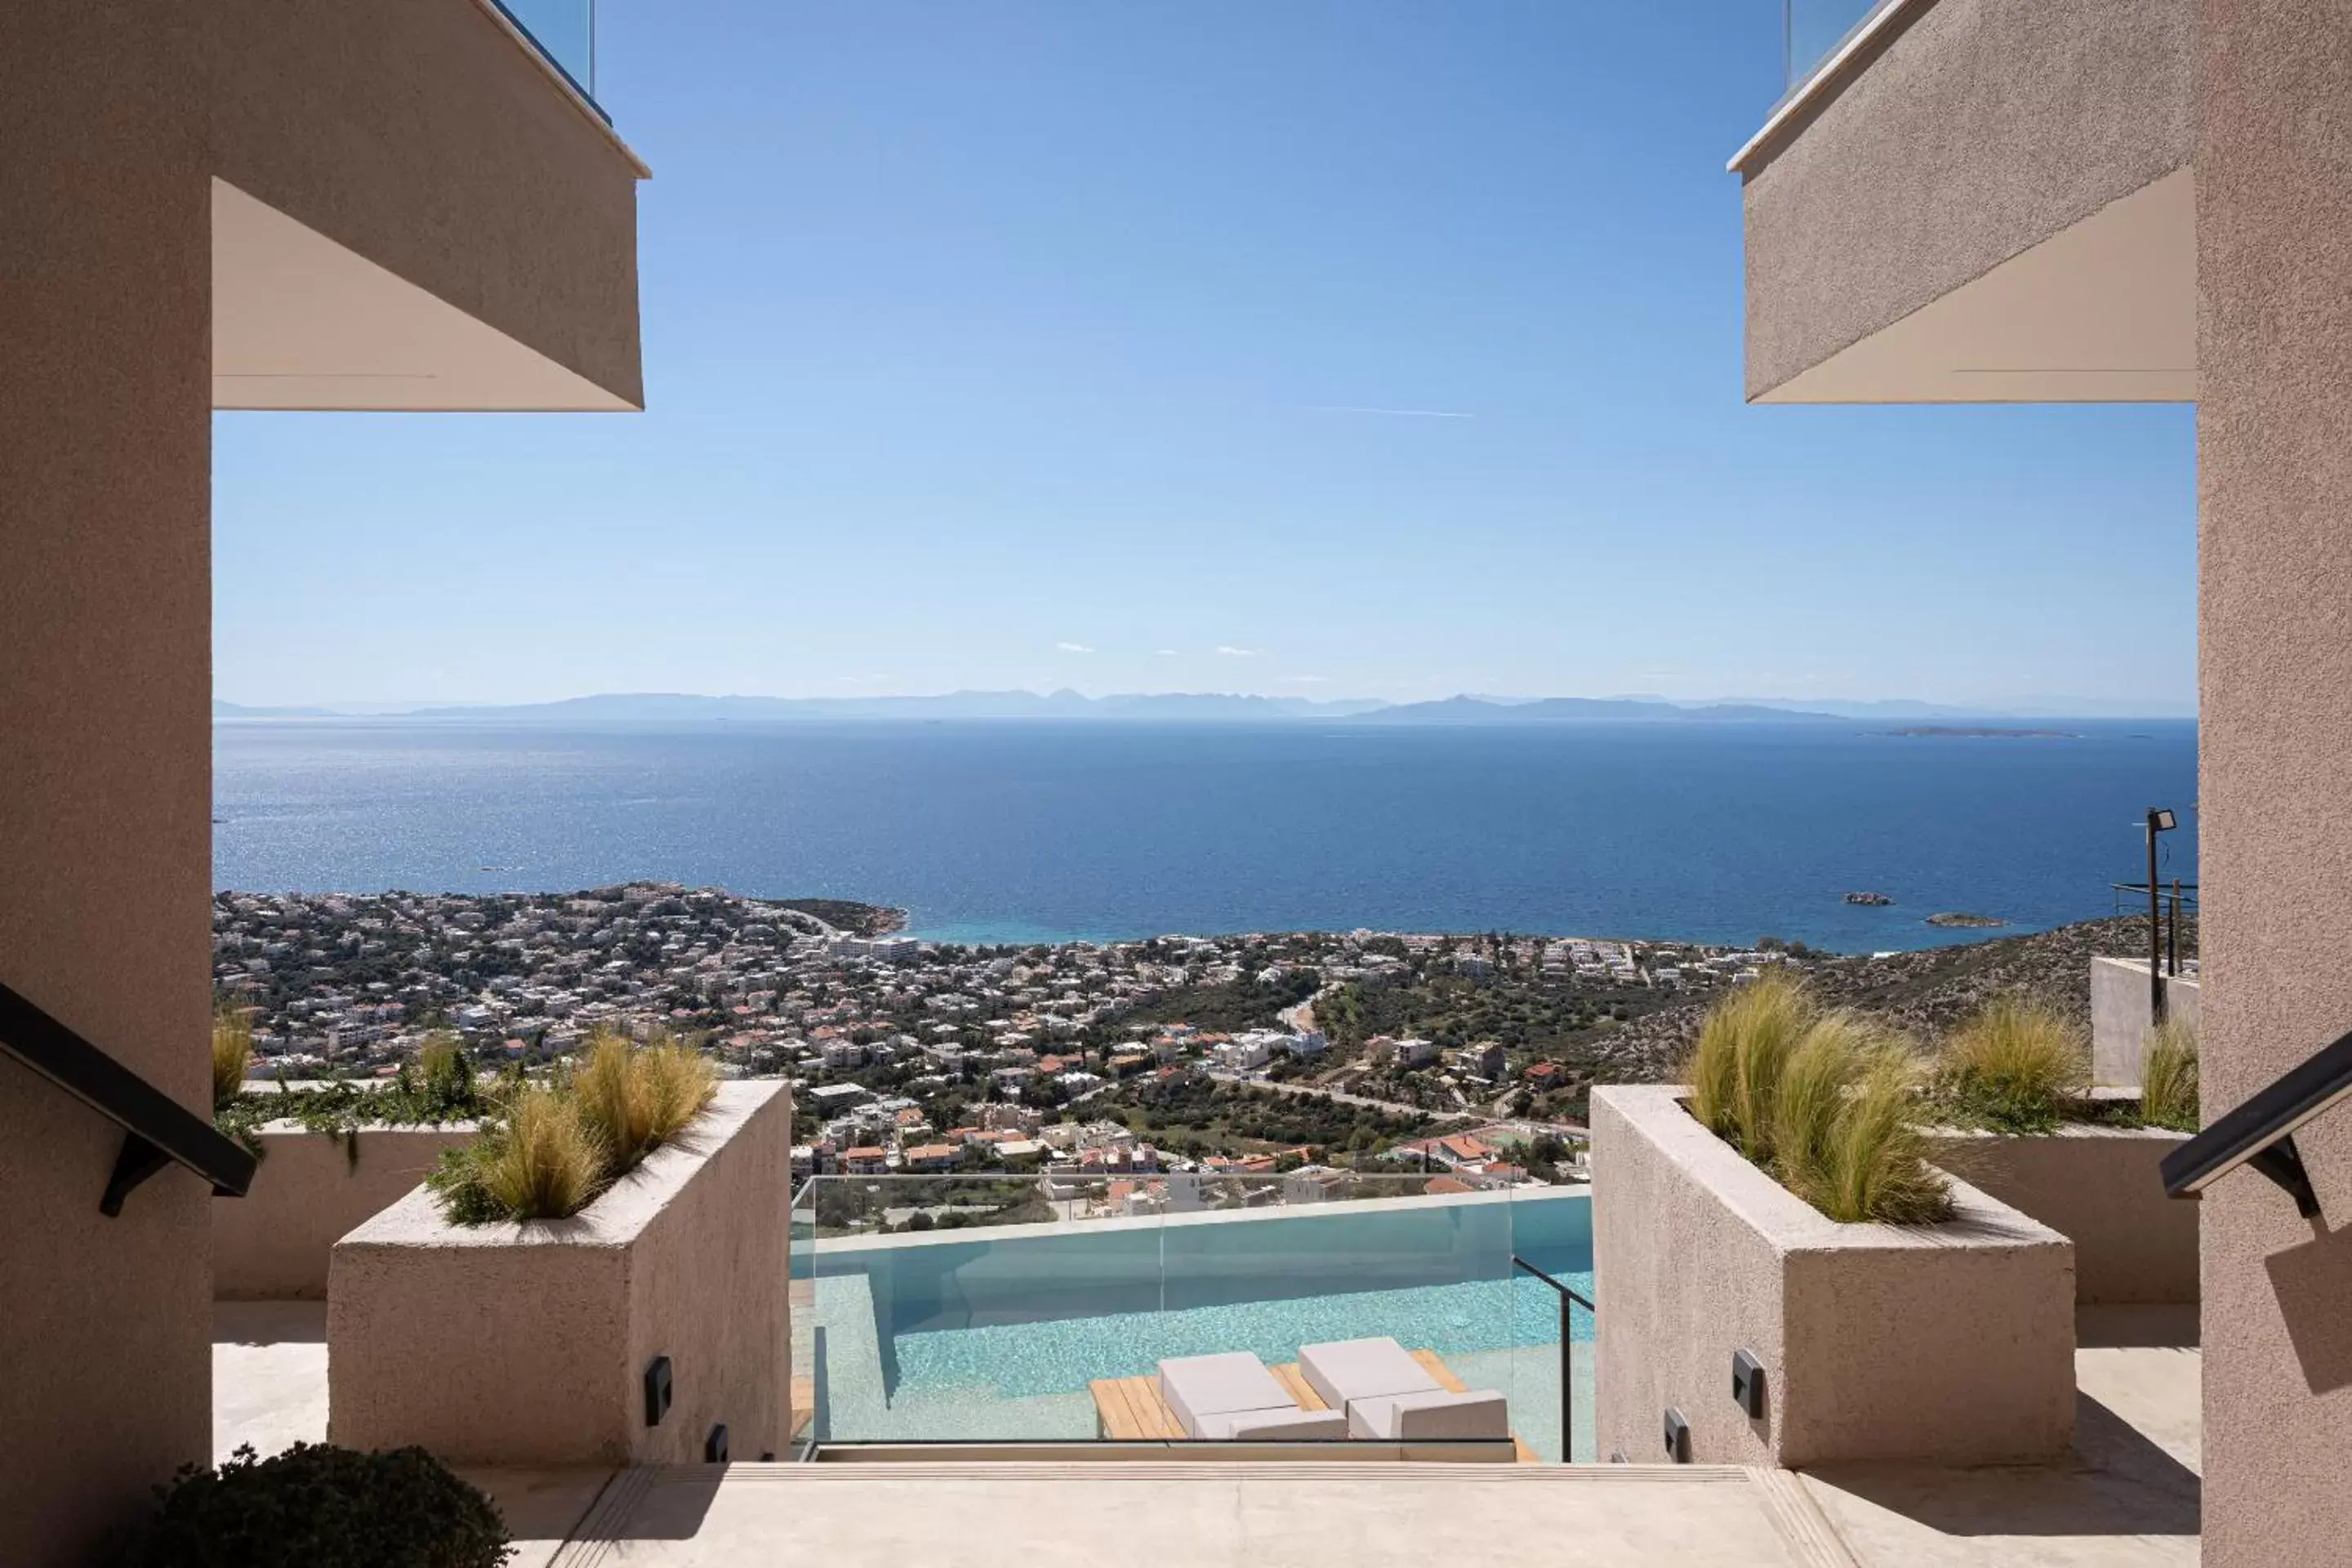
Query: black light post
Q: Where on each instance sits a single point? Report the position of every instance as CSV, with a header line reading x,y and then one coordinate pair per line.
x,y
2159,821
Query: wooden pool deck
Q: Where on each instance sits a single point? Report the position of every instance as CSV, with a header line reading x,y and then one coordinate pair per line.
x,y
1132,1409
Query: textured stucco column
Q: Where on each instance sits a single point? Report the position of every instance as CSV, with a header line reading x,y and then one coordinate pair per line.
x,y
105,752
2274,430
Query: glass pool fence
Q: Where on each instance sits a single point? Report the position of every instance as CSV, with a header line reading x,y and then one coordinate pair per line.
x,y
1048,1308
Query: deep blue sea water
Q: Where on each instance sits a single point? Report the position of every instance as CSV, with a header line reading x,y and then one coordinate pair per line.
x,y
1004,832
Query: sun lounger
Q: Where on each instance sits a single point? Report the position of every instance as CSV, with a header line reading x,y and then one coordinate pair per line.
x,y
1292,1425
1404,1417
1346,1371
1234,1383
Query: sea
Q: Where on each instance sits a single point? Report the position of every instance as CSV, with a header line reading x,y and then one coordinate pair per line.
x,y
1054,831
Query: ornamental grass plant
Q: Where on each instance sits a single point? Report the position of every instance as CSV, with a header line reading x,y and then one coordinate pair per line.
x,y
632,1097
232,1052
2017,1065
1744,1045
1823,1101
2167,1092
547,1150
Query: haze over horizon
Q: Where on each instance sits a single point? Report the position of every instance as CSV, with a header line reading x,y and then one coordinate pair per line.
x,y
1072,703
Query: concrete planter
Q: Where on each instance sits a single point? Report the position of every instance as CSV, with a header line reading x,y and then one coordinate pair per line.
x,y
2099,1188
528,1344
2122,1011
309,1192
1952,1343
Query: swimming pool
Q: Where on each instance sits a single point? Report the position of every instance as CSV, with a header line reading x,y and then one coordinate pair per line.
x,y
995,1334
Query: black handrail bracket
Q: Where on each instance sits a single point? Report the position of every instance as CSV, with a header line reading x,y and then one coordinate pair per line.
x,y
2260,1133
158,1130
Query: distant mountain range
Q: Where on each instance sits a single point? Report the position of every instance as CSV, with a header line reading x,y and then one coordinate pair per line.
x,y
1585,709
1164,706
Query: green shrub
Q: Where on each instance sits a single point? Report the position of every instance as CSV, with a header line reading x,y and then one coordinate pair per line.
x,y
316,1505
2167,1092
2015,1066
443,1083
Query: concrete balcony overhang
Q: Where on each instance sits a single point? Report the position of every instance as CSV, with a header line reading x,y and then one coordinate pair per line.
x,y
1980,201
412,208
300,321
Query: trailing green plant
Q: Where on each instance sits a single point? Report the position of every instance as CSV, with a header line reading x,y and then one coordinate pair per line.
x,y
317,1506
232,1052
2167,1084
1824,1101
546,1152
440,1087
2014,1066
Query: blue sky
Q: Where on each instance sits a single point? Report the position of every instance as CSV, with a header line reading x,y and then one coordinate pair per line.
x,y
1321,347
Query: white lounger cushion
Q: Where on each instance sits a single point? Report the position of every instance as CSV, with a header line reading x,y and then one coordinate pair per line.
x,y
1347,1370
1222,1385
1291,1425
1439,1414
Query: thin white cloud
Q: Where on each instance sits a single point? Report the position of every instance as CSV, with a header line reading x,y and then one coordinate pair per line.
x,y
1168,653
864,679
1229,651
1073,648
1307,679
1394,412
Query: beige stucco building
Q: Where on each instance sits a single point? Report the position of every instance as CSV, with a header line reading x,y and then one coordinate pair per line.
x,y
2126,200
405,203
384,204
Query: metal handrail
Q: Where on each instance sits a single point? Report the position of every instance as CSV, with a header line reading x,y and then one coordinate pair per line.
x,y
2261,1131
157,1130
1570,1297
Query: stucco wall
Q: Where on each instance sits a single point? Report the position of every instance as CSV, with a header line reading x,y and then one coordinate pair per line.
x,y
272,1243
2120,1011
2099,1188
1952,1343
2274,482
1984,128
105,774
525,1344
405,129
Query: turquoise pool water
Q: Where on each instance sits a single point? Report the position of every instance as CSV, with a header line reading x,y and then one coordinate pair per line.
x,y
998,1338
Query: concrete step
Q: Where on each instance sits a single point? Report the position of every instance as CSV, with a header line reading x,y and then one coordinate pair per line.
x,y
1204,1515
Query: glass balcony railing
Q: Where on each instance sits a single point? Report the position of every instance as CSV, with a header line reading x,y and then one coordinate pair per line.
x,y
1039,1309
1812,31
565,32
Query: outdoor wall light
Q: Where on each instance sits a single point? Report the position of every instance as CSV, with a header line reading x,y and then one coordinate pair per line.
x,y
1677,1438
714,1447
1747,1383
656,1391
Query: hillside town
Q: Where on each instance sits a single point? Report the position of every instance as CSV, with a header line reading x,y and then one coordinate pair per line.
x,y
1311,1055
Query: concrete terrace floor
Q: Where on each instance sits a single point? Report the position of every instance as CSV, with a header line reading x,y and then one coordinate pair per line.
x,y
2128,1498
